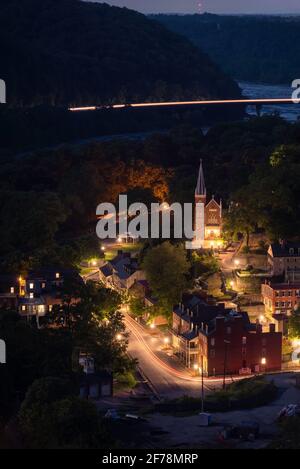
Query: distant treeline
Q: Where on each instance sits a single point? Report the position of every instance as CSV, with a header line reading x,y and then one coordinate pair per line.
x,y
253,48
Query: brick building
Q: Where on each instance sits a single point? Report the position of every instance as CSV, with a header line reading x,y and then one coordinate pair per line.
x,y
284,260
213,335
280,300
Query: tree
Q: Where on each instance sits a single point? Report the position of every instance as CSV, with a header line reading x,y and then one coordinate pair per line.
x,y
167,268
52,417
294,324
137,306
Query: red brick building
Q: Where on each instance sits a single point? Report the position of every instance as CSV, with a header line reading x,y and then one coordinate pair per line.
x,y
217,337
281,298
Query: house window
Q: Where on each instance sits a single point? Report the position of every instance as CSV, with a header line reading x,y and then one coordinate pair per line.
x,y
228,330
23,308
31,295
50,308
43,285
212,353
12,290
31,286
263,361
244,340
213,342
57,275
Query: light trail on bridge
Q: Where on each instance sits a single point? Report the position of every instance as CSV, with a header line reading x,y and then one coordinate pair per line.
x,y
248,102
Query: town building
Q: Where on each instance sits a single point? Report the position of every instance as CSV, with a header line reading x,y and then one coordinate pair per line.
x,y
94,384
121,272
221,339
281,300
41,290
284,260
9,291
141,290
209,225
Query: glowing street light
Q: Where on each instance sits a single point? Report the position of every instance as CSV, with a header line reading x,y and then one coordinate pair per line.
x,y
119,239
119,337
237,262
166,340
102,248
152,326
231,283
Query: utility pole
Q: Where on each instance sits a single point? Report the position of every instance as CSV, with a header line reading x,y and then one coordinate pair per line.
x,y
226,342
202,385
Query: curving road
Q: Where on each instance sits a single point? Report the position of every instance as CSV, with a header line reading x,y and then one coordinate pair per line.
x,y
167,376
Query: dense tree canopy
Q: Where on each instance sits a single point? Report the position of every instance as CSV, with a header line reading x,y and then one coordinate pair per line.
x,y
73,52
167,268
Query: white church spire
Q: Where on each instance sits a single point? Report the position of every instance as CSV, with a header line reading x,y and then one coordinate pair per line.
x,y
200,188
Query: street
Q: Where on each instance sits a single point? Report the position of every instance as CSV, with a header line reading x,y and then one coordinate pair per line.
x,y
167,377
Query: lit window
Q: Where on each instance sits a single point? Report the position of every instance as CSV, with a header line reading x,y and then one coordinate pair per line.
x,y
12,290
43,285
31,286
31,295
50,308
244,340
57,275
263,361
23,308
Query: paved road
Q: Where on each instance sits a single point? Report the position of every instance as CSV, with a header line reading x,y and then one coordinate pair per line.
x,y
165,373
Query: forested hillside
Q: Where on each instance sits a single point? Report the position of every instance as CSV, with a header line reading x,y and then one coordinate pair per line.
x,y
251,48
72,52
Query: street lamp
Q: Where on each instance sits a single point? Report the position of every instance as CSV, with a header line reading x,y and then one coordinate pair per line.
x,y
237,262
166,340
231,284
152,326
119,337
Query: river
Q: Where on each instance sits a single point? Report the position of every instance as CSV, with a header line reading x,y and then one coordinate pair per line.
x,y
290,112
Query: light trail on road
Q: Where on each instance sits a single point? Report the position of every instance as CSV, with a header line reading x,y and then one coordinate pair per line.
x,y
134,328
248,102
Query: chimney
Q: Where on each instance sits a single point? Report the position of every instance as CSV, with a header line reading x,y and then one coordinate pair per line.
x,y
272,328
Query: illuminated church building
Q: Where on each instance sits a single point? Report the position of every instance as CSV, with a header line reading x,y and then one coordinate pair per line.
x,y
210,215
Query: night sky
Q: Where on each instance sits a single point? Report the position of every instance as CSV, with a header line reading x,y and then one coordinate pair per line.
x,y
213,6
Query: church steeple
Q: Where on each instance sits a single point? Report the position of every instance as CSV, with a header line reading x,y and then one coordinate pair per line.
x,y
200,188
200,192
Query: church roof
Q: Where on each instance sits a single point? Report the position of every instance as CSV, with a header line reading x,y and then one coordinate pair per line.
x,y
200,188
